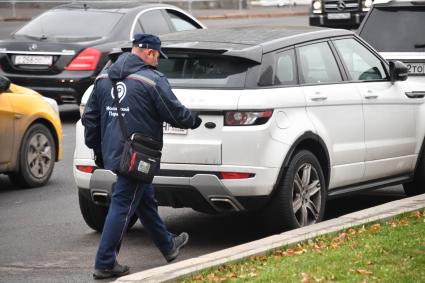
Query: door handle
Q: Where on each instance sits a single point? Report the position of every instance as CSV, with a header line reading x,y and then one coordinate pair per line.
x,y
415,94
319,98
371,97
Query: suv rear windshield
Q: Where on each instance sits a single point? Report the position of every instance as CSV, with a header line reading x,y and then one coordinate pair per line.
x,y
395,29
194,70
71,24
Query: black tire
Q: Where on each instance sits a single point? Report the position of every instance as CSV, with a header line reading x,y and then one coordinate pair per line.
x,y
302,185
417,186
95,215
37,156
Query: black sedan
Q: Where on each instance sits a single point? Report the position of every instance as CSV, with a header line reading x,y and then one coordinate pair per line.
x,y
60,52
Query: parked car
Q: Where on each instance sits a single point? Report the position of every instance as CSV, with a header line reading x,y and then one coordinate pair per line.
x,y
60,52
394,29
291,118
30,135
338,13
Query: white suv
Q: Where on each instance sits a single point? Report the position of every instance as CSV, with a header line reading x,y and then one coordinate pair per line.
x,y
291,117
394,28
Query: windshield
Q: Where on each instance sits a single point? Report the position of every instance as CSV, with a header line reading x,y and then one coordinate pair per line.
x,y
396,29
205,71
71,23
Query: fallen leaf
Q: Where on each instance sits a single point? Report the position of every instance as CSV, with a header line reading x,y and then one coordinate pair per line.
x,y
416,214
364,271
352,231
374,228
289,252
306,278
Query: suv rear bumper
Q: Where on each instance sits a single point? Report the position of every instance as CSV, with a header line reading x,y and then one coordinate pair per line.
x,y
203,191
321,20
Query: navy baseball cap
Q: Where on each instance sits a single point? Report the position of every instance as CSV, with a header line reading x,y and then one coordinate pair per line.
x,y
149,41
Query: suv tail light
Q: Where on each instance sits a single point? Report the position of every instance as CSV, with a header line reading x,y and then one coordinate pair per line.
x,y
246,118
235,175
85,61
86,168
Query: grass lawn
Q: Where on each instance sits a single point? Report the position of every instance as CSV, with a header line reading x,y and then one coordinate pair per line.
x,y
393,251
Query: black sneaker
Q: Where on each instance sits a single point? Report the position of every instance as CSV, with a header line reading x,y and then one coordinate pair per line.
x,y
116,271
178,242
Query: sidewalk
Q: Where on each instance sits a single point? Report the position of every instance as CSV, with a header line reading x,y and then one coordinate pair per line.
x,y
26,14
184,268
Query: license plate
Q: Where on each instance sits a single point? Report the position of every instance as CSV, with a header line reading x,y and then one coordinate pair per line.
x,y
338,16
33,60
168,129
416,68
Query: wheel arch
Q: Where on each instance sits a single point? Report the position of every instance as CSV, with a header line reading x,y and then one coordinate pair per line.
x,y
52,130
312,142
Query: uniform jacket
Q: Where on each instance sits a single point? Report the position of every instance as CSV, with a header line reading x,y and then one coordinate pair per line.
x,y
146,101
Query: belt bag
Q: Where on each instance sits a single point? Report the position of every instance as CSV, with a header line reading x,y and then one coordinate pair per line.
x,y
140,158
141,155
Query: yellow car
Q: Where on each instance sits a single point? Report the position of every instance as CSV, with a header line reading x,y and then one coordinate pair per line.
x,y
30,135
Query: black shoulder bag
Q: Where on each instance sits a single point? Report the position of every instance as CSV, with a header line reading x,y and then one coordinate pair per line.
x,y
141,155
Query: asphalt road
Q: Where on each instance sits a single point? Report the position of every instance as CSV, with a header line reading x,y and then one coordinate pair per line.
x,y
43,237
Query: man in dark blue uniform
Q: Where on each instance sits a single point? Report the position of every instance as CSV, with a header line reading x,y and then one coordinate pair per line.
x,y
146,101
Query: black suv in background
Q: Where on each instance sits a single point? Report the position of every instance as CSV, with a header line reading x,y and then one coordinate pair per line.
x,y
395,29
338,13
60,53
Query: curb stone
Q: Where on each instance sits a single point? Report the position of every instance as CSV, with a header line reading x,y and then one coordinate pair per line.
x,y
184,268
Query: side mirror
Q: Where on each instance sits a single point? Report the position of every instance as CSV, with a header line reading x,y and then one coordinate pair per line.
x,y
4,84
398,71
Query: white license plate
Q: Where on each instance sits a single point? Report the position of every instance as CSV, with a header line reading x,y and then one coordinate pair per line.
x,y
33,60
416,68
338,16
168,129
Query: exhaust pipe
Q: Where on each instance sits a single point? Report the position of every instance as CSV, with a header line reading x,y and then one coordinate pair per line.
x,y
224,204
101,198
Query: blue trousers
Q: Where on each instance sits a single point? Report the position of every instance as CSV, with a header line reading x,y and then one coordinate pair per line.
x,y
130,197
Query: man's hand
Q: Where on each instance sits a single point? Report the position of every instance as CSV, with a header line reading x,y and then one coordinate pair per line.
x,y
198,122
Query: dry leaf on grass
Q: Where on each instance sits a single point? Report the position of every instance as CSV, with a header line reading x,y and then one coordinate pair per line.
x,y
363,271
305,278
416,214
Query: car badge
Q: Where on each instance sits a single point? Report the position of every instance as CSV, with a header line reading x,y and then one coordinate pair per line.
x,y
32,47
341,5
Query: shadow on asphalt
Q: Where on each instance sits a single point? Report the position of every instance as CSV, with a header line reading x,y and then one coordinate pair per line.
x,y
230,230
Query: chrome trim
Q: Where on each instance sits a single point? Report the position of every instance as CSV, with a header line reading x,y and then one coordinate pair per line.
x,y
71,53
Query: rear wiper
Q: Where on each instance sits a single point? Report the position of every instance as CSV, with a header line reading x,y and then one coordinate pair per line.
x,y
420,45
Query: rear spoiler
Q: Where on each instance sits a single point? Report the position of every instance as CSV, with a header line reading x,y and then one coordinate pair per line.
x,y
252,53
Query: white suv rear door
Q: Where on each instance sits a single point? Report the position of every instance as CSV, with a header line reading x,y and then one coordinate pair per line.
x,y
390,116
203,145
335,109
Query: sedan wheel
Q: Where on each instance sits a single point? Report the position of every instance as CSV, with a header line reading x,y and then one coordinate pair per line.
x,y
36,158
300,197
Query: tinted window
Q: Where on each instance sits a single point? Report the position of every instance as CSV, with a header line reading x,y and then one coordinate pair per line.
x,y
317,64
71,23
285,69
204,71
360,62
396,29
180,23
154,22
